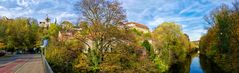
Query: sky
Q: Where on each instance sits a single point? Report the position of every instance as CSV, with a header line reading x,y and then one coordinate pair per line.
x,y
187,13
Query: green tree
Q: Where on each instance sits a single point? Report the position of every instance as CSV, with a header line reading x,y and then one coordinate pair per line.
x,y
149,49
54,30
3,28
220,44
102,17
111,48
170,42
19,33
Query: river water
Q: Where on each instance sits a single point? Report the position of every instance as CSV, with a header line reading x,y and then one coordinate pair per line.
x,y
196,63
195,66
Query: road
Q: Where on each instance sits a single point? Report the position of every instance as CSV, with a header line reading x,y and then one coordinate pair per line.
x,y
25,63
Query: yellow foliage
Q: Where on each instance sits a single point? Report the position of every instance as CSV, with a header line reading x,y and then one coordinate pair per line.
x,y
2,45
82,62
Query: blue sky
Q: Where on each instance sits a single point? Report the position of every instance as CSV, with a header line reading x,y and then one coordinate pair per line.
x,y
188,13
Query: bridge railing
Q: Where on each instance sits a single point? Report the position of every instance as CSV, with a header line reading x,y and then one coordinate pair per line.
x,y
47,68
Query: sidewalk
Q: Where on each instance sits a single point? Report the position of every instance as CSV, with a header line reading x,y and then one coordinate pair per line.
x,y
27,63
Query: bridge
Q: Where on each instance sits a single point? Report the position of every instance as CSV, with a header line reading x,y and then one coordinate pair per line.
x,y
24,63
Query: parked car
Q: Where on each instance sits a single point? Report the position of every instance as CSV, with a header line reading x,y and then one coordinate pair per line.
x,y
2,52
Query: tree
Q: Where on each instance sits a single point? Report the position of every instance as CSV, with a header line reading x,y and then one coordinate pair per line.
x,y
3,28
66,25
171,43
54,30
110,48
19,33
102,17
101,12
149,49
221,41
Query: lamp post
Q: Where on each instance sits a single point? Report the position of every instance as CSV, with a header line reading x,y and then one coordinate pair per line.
x,y
46,34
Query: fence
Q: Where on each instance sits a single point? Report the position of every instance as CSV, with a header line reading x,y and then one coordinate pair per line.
x,y
47,68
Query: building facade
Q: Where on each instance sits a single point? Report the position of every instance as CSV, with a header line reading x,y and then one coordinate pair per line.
x,y
137,26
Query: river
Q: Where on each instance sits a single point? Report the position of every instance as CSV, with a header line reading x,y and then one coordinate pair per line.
x,y
195,63
190,64
195,66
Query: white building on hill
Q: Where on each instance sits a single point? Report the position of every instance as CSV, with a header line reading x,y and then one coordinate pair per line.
x,y
137,26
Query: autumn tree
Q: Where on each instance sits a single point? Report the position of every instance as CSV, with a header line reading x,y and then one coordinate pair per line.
x,y
62,54
101,16
66,25
110,48
19,33
3,28
170,42
221,41
149,49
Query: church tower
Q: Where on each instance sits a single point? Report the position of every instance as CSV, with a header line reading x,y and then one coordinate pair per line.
x,y
46,23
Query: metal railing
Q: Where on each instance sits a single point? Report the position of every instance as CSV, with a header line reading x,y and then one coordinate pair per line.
x,y
47,68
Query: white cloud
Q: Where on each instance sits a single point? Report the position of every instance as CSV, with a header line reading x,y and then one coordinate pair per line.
x,y
16,9
15,12
160,20
195,34
156,22
190,8
66,16
26,3
22,3
1,7
5,12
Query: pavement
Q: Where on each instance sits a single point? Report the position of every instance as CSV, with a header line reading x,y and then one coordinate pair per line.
x,y
24,63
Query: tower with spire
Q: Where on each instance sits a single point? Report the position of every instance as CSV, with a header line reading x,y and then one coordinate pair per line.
x,y
46,23
55,21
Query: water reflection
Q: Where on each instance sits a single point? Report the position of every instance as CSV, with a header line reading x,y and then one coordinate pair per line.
x,y
182,66
209,66
195,66
218,66
190,64
196,63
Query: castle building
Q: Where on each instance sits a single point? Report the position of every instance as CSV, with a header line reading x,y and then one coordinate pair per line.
x,y
137,26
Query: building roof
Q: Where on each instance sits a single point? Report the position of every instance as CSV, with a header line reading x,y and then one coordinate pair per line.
x,y
138,25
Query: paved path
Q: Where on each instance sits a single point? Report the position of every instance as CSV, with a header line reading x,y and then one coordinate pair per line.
x,y
27,63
